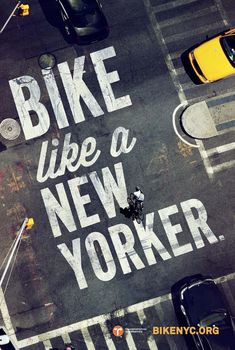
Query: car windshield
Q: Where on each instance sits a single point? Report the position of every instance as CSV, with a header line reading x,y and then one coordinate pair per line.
x,y
217,318
228,45
79,7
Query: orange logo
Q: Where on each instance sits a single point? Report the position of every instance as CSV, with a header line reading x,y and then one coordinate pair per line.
x,y
118,331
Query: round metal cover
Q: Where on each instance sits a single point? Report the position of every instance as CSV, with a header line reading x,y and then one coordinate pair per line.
x,y
47,60
10,129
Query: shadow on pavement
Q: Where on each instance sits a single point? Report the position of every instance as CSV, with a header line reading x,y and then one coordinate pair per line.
x,y
188,67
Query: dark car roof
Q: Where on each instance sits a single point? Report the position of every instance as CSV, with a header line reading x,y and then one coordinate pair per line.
x,y
202,300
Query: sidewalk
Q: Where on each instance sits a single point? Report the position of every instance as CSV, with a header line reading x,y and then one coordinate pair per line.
x,y
208,118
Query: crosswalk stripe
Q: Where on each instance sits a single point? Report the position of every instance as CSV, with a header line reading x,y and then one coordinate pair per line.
x,y
222,11
130,341
172,4
189,85
66,338
170,340
205,159
176,54
221,149
180,70
107,337
87,339
47,344
199,30
224,166
151,341
185,17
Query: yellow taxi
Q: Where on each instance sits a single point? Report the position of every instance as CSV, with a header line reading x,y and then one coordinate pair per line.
x,y
215,58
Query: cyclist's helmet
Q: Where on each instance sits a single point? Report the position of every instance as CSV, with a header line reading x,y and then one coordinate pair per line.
x,y
137,188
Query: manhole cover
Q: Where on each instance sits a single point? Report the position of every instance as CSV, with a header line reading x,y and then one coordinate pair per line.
x,y
10,129
47,61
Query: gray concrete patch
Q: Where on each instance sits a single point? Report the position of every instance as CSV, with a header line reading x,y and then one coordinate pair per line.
x,y
198,122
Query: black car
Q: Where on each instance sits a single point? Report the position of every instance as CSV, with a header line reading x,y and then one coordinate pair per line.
x,y
198,302
83,20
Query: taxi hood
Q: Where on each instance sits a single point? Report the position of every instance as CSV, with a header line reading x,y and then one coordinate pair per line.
x,y
212,60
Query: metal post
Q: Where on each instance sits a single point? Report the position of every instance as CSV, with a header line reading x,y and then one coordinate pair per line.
x,y
13,250
12,13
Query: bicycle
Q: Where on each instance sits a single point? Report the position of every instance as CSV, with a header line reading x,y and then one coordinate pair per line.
x,y
136,208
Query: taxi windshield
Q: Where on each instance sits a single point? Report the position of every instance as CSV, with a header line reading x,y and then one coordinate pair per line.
x,y
228,45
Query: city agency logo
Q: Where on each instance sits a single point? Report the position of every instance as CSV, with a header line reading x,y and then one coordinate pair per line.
x,y
118,331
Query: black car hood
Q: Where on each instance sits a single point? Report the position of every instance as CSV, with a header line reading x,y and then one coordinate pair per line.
x,y
225,340
202,300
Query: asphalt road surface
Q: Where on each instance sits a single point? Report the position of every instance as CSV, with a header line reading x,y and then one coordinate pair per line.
x,y
85,266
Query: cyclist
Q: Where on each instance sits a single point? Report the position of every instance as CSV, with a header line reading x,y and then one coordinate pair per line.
x,y
139,197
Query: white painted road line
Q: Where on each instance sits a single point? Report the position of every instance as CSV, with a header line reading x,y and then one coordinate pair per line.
x,y
224,166
130,341
172,4
66,338
226,278
161,314
47,344
198,30
158,33
222,12
221,149
107,337
180,19
151,341
87,338
205,158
